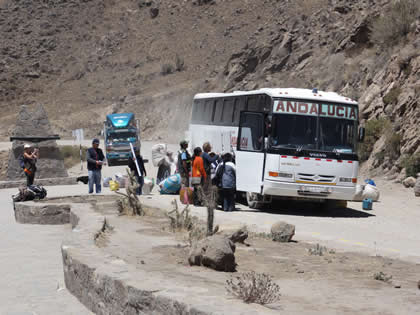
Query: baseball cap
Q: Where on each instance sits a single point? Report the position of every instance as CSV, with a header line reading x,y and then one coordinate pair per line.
x,y
95,141
27,146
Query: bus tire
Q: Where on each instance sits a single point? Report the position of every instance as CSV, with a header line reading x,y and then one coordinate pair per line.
x,y
110,163
252,202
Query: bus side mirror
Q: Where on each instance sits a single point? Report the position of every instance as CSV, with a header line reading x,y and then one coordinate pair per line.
x,y
361,134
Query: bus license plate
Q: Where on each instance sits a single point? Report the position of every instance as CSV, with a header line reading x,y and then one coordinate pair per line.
x,y
316,189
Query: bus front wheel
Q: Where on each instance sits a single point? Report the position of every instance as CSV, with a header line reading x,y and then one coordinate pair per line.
x,y
253,200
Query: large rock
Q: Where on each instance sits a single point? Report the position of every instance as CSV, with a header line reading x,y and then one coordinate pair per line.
x,y
409,182
35,124
417,188
216,252
282,232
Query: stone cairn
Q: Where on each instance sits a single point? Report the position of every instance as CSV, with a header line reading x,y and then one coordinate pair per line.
x,y
34,128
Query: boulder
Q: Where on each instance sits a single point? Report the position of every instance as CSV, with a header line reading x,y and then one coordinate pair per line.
x,y
216,252
409,182
282,232
417,188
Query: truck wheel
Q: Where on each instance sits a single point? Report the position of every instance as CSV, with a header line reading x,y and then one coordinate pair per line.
x,y
252,200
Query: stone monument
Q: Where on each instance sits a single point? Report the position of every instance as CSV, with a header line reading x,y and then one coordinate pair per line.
x,y
34,128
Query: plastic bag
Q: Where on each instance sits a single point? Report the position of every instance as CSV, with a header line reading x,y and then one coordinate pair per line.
x,y
148,186
113,185
359,193
371,192
106,181
158,153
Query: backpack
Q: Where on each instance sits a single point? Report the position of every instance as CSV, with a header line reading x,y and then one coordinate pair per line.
x,y
39,192
217,180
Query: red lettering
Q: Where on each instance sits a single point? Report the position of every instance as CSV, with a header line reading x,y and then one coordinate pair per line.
x,y
331,110
303,108
291,107
340,108
352,113
280,107
314,109
321,112
233,141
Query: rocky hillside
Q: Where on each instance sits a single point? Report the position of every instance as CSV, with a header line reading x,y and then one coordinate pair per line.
x,y
84,59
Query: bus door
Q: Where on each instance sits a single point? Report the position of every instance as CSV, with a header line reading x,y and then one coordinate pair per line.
x,y
250,152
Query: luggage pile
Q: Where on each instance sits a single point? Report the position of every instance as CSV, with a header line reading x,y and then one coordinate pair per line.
x,y
31,192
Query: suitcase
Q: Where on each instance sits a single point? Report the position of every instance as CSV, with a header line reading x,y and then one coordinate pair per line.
x,y
186,196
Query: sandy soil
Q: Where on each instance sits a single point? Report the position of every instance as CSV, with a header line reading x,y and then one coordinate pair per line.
x,y
310,283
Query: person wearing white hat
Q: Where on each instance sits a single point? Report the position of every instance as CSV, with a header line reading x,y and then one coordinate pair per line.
x,y
28,163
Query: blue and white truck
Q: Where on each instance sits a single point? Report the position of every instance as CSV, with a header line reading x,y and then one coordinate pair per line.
x,y
119,131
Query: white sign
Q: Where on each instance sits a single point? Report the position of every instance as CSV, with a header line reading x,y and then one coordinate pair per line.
x,y
315,109
78,135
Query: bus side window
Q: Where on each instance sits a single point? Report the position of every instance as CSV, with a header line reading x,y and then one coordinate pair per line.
x,y
227,111
218,111
196,111
252,103
238,108
251,132
208,111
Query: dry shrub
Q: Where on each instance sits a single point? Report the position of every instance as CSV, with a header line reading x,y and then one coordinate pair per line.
x,y
381,276
180,220
179,63
167,68
252,287
395,23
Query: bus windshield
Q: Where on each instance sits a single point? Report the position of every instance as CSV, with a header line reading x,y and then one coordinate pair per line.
x,y
302,132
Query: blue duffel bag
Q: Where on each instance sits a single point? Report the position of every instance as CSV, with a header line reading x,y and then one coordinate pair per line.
x,y
171,185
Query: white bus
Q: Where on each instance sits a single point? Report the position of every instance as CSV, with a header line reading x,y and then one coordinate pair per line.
x,y
296,143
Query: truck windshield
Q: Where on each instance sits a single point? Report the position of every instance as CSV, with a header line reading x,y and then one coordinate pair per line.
x,y
302,132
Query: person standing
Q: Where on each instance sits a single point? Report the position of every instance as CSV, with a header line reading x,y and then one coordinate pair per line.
x,y
28,163
133,168
228,182
95,159
208,158
184,163
198,177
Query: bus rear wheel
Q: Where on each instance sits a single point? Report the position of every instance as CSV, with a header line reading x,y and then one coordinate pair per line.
x,y
252,200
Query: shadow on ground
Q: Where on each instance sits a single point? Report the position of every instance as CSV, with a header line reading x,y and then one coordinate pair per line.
x,y
309,209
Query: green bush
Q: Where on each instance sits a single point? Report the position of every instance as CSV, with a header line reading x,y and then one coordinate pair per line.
x,y
71,154
373,131
392,96
411,164
395,23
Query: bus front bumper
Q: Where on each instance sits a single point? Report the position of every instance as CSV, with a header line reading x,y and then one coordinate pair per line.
x,y
292,189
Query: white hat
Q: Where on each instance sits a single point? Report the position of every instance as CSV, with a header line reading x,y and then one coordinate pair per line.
x,y
27,146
